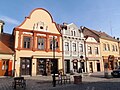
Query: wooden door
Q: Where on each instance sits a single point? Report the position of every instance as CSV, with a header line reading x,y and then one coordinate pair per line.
x,y
25,66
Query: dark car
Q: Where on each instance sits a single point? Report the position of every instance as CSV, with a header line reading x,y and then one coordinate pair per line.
x,y
116,72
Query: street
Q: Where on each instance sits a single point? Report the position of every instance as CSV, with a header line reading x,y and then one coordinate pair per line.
x,y
91,82
110,84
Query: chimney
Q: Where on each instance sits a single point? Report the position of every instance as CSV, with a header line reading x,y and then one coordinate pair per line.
x,y
1,26
117,38
65,23
81,27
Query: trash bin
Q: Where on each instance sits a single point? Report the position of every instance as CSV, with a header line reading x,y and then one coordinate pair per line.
x,y
77,79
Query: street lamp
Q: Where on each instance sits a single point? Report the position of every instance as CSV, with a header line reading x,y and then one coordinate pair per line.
x,y
54,81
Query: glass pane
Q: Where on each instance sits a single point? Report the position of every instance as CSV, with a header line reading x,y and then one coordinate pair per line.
x,y
26,42
41,44
23,60
23,66
28,61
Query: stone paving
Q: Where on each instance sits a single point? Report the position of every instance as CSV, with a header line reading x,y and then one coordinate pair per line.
x,y
94,81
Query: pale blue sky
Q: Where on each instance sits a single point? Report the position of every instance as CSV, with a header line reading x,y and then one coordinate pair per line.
x,y
100,15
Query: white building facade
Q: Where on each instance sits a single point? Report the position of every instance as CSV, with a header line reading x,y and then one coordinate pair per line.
x,y
73,48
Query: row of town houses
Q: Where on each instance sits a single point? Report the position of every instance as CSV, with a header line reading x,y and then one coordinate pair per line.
x,y
40,46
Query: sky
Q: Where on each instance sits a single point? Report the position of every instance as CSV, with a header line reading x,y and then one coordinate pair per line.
x,y
100,15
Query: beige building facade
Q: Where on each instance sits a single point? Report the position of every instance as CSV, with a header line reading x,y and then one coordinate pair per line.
x,y
38,45
93,55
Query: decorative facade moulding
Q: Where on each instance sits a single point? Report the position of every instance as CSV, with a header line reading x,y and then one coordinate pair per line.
x,y
74,60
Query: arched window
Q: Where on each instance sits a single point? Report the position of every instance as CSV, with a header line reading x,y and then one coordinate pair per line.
x,y
71,33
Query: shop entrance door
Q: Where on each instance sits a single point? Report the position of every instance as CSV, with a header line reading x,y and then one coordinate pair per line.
x,y
98,67
67,66
25,66
83,66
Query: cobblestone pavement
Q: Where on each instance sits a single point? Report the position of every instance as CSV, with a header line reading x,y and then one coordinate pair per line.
x,y
92,82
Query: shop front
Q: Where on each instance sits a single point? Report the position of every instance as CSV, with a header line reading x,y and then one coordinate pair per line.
x,y
45,66
110,62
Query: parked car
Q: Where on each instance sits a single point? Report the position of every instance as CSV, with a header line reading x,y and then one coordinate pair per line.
x,y
116,72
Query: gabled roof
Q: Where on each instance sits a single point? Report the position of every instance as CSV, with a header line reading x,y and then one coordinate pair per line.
x,y
6,43
102,34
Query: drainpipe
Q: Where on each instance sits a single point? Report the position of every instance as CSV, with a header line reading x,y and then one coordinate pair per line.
x,y
63,55
85,55
14,64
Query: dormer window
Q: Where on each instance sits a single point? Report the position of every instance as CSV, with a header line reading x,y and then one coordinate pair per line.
x,y
71,33
74,33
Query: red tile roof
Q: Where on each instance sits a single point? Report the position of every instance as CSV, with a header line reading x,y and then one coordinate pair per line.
x,y
102,35
6,43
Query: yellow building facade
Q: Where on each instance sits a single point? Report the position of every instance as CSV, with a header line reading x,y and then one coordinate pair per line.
x,y
109,52
38,45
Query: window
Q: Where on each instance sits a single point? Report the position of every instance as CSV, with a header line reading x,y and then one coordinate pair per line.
x,y
41,43
26,41
116,48
89,50
51,44
71,33
74,33
74,46
104,47
113,48
66,46
81,47
108,47
96,50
